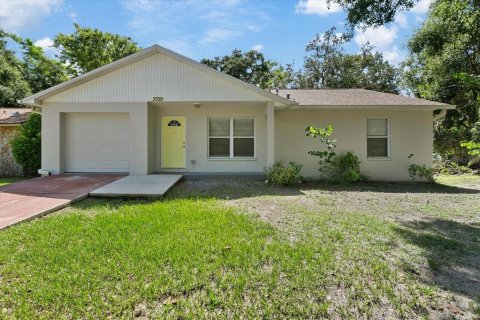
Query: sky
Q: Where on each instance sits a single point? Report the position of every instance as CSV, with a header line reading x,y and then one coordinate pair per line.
x,y
207,28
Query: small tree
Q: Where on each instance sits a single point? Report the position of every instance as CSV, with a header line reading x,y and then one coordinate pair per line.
x,y
26,146
342,168
327,157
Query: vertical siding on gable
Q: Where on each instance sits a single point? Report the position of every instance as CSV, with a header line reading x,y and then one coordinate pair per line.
x,y
157,75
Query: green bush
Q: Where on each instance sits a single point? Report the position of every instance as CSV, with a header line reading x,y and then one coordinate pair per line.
x,y
347,169
422,172
26,146
281,175
441,166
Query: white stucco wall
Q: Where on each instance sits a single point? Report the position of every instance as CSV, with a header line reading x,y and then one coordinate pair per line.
x,y
411,131
53,132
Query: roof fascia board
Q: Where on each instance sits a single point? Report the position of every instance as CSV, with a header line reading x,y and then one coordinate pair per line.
x,y
399,107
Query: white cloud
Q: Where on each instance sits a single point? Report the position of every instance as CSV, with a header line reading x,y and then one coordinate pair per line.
x,y
402,20
319,7
422,6
47,45
419,20
216,34
73,16
165,21
180,45
381,37
257,47
394,56
17,15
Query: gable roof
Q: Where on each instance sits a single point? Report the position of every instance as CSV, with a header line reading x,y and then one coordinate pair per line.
x,y
356,98
13,116
37,98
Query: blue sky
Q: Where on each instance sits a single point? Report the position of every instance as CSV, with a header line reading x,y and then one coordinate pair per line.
x,y
207,28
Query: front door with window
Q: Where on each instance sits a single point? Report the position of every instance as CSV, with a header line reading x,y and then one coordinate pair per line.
x,y
173,142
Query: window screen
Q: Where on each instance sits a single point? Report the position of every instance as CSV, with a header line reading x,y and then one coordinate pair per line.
x,y
231,138
377,138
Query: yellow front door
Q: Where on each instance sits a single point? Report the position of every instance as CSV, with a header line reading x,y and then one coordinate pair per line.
x,y
173,142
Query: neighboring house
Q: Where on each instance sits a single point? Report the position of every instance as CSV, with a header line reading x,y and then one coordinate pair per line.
x,y
157,111
10,121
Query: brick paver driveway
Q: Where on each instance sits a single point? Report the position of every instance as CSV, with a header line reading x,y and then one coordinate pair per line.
x,y
28,199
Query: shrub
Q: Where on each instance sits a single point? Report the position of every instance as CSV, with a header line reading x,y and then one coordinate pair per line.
x,y
26,146
281,175
422,172
347,169
441,166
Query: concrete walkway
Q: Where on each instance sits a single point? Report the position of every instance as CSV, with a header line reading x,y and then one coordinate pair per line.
x,y
152,186
28,199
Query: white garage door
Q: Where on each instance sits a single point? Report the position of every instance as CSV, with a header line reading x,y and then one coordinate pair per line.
x,y
96,142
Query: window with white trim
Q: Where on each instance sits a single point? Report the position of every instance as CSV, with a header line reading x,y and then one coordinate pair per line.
x,y
378,139
231,138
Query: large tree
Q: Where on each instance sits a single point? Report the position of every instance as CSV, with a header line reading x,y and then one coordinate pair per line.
x,y
40,71
87,49
372,13
444,65
251,67
12,84
328,66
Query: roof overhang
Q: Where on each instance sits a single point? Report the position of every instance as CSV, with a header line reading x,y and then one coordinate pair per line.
x,y
38,98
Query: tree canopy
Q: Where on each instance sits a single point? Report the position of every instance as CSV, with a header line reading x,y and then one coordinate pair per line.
x,y
444,65
87,49
372,13
328,66
40,71
251,67
13,86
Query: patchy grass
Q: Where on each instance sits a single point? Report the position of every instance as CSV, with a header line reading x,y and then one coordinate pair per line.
x,y
463,180
242,249
7,180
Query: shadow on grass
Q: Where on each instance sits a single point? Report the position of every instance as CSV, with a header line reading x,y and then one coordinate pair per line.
x,y
452,250
246,188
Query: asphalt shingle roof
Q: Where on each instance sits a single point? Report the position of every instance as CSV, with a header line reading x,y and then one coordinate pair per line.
x,y
13,115
351,97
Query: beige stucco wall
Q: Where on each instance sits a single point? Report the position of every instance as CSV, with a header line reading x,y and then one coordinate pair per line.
x,y
8,165
53,132
411,131
197,137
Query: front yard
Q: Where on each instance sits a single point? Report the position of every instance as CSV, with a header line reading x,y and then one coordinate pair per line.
x,y
230,249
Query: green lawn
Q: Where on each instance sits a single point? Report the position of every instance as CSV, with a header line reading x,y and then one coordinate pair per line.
x,y
7,180
233,249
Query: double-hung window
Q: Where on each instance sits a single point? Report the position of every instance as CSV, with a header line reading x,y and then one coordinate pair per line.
x,y
378,138
231,138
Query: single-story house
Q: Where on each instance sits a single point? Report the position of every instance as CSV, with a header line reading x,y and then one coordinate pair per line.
x,y
157,111
10,121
